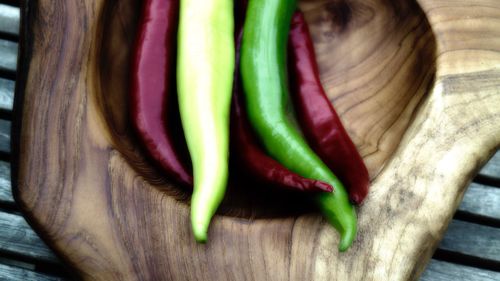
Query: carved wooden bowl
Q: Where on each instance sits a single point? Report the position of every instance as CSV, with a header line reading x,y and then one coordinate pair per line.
x,y
416,85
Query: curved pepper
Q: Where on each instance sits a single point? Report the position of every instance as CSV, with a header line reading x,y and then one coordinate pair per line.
x,y
244,145
255,161
263,68
319,121
204,79
152,83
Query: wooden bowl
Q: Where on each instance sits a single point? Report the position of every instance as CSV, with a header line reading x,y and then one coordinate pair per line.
x,y
416,84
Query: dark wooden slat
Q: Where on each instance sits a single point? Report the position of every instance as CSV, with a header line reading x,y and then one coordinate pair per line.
x,y
5,186
17,238
8,55
11,273
17,263
445,271
492,169
473,240
4,136
6,94
482,200
9,19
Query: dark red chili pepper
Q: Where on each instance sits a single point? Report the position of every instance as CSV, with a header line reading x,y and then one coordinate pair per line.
x,y
250,156
319,121
152,83
244,145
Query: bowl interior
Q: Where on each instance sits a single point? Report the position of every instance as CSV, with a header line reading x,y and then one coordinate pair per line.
x,y
377,63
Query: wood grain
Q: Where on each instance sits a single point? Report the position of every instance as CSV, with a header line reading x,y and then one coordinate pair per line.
x,y
415,83
482,200
486,243
444,271
9,20
461,237
14,273
8,55
17,237
5,186
5,126
6,94
377,63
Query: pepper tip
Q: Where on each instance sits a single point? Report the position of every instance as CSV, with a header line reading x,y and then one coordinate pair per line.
x,y
356,199
323,186
344,244
347,238
200,235
200,230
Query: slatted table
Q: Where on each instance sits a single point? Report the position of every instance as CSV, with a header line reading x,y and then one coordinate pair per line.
x,y
470,249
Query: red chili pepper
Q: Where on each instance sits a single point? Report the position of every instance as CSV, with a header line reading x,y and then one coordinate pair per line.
x,y
319,121
244,144
152,83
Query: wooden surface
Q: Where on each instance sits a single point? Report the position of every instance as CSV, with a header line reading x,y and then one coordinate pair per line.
x,y
444,271
407,181
15,273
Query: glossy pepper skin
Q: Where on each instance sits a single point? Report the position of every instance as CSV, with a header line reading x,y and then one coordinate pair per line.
x,y
255,161
152,83
263,68
319,121
244,145
205,69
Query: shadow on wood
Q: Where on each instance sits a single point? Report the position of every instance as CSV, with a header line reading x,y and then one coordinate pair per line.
x,y
407,79
377,63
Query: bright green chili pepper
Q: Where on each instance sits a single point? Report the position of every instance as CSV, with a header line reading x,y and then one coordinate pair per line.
x,y
205,69
263,68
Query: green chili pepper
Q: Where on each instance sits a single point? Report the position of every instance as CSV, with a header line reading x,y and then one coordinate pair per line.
x,y
263,68
205,69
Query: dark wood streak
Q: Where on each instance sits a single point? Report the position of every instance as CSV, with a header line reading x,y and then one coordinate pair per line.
x,y
99,203
379,137
112,94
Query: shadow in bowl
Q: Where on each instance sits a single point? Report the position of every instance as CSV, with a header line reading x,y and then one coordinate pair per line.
x,y
377,63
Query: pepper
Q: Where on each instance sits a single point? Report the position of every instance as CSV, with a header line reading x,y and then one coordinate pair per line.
x,y
253,159
320,123
244,145
204,80
263,68
152,82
